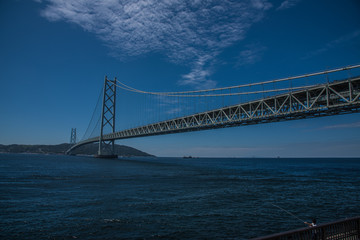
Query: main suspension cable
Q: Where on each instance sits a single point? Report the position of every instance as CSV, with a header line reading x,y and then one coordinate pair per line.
x,y
186,93
215,95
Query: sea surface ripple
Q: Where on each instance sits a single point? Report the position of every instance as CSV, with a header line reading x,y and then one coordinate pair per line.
x,y
69,197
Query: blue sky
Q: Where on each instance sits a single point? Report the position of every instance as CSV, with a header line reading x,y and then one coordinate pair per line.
x,y
54,56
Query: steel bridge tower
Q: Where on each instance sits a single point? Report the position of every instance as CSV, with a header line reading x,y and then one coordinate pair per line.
x,y
73,136
107,147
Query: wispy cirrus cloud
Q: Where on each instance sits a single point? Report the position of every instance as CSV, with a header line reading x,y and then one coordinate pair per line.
x,y
191,32
347,125
288,4
334,43
200,75
225,151
251,54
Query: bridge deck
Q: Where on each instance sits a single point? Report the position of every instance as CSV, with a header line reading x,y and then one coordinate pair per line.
x,y
339,97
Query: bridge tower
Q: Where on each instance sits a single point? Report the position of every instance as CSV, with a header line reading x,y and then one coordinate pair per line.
x,y
73,136
107,147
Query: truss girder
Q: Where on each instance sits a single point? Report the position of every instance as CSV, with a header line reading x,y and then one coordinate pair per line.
x,y
339,97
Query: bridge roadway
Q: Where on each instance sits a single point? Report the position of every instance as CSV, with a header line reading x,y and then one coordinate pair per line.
x,y
339,97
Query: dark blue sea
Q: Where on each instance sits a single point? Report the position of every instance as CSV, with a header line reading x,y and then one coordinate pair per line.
x,y
73,197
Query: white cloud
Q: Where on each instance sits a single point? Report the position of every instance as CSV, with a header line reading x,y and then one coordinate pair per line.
x,y
187,32
287,4
174,110
200,74
251,54
334,43
347,125
233,151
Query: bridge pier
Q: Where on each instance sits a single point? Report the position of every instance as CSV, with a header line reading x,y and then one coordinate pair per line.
x,y
107,147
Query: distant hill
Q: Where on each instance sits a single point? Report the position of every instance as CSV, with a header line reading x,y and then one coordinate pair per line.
x,y
89,149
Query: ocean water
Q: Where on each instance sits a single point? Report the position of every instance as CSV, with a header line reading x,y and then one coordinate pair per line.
x,y
69,197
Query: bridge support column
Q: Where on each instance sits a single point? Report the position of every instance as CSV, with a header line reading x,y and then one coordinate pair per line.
x,y
73,136
107,147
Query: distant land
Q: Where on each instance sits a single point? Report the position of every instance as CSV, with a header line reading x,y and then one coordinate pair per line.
x,y
89,149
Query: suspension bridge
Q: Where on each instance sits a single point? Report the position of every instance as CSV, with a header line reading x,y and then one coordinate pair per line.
x,y
299,97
